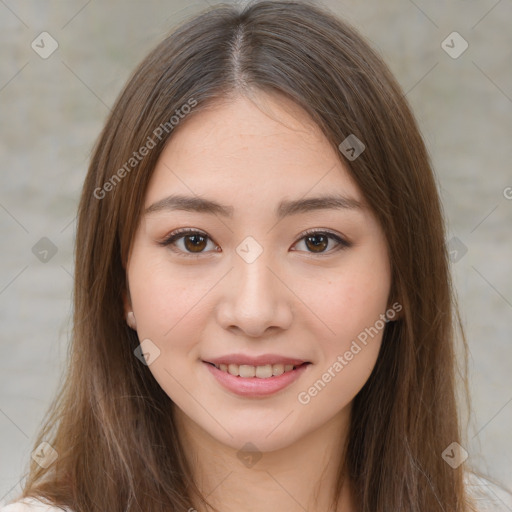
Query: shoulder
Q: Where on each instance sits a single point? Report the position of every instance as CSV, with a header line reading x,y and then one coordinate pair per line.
x,y
488,496
30,505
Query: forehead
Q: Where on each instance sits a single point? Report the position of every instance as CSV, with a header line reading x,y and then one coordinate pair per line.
x,y
252,149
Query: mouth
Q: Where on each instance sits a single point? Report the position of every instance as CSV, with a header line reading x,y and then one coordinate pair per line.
x,y
256,381
267,371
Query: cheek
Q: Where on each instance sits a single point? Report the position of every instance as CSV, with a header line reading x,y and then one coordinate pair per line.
x,y
164,301
169,312
350,305
352,309
350,301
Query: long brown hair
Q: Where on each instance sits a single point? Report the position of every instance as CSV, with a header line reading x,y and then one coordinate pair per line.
x,y
111,423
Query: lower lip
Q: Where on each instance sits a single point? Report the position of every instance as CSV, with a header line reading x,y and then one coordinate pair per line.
x,y
254,386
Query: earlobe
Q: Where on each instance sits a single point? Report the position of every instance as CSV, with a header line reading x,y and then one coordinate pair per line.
x,y
129,314
130,320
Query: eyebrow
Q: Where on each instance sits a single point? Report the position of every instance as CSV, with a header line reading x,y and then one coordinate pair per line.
x,y
284,209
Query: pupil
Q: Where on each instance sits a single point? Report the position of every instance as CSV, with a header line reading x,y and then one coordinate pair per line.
x,y
320,245
198,239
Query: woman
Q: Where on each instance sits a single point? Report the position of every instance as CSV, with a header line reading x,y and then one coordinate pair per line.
x,y
263,310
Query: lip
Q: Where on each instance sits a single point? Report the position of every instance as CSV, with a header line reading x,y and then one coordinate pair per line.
x,y
254,386
260,360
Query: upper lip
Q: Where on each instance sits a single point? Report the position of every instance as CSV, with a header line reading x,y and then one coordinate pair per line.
x,y
261,360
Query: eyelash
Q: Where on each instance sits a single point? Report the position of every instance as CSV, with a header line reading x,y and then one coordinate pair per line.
x,y
182,233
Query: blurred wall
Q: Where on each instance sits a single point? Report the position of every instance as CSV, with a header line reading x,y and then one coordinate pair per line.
x,y
52,109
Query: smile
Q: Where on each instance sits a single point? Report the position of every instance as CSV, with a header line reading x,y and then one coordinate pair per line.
x,y
261,372
251,381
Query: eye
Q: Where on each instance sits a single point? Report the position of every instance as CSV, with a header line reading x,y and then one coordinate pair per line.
x,y
193,242
317,241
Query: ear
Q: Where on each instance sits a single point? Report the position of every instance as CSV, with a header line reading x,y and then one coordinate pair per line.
x,y
128,310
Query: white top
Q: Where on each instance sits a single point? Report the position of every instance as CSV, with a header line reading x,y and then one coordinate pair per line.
x,y
489,498
29,505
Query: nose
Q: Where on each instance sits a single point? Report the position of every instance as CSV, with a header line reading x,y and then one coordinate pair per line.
x,y
255,300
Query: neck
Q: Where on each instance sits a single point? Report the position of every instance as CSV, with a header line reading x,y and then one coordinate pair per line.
x,y
297,477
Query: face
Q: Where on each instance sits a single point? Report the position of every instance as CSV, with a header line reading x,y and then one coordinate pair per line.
x,y
284,293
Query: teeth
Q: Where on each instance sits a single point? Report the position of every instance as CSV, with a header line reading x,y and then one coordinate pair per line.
x,y
245,370
277,369
262,372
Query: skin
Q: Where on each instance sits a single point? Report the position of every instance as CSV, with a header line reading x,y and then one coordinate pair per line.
x,y
292,301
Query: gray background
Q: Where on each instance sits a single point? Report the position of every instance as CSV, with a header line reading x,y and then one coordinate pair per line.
x,y
53,109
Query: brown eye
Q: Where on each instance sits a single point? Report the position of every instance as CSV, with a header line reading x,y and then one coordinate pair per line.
x,y
188,242
317,242
194,243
